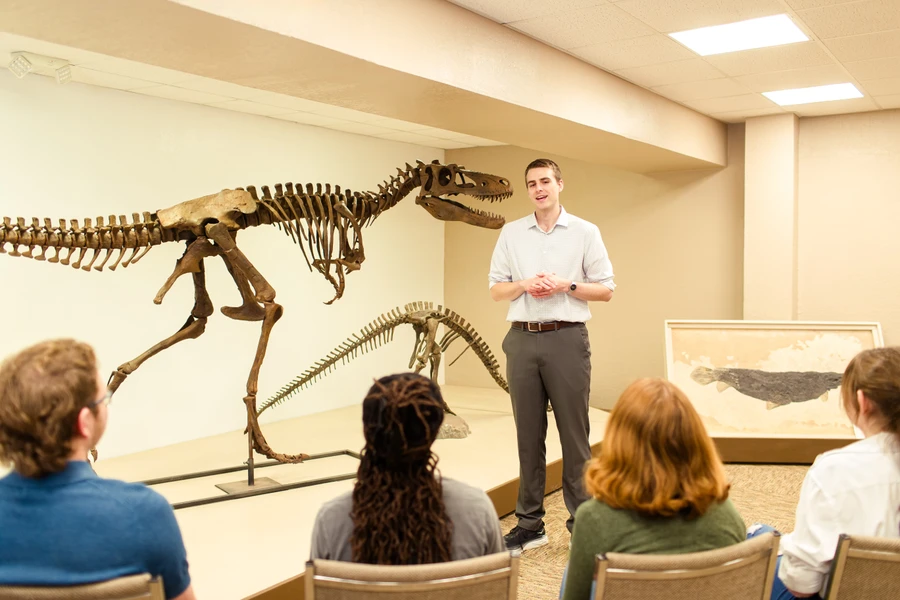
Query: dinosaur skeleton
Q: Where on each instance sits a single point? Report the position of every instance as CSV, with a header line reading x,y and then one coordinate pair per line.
x,y
425,319
325,223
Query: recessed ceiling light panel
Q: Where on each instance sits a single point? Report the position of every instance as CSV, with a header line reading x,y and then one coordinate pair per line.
x,y
776,30
819,93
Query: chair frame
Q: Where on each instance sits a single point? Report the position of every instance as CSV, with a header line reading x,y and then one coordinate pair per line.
x,y
510,572
603,572
844,551
38,592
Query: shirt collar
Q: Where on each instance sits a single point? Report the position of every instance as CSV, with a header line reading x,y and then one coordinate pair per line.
x,y
75,471
562,221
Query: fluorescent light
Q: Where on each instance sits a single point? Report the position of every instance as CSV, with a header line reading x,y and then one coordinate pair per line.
x,y
743,35
819,93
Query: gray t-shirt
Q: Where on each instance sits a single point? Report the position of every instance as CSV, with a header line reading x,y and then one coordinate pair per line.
x,y
476,528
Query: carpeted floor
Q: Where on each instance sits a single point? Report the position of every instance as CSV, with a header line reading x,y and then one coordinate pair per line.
x,y
761,493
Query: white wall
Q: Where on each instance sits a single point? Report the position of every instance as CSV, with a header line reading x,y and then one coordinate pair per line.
x,y
77,151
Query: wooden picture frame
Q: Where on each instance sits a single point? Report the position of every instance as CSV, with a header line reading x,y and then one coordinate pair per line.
x,y
768,391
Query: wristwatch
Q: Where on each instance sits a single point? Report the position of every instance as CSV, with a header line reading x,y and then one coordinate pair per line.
x,y
573,287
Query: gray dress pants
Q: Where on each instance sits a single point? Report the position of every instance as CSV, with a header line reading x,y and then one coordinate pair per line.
x,y
555,366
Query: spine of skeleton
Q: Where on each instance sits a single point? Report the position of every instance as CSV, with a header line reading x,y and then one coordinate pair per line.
x,y
461,328
81,244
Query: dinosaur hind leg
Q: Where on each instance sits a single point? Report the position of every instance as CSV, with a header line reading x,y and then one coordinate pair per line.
x,y
192,328
265,294
249,310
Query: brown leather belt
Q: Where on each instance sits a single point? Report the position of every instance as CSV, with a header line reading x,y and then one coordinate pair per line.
x,y
535,327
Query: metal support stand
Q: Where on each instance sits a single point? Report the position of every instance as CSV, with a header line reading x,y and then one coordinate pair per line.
x,y
250,478
250,472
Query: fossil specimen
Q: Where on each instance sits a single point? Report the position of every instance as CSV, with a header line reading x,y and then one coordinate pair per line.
x,y
425,319
325,222
776,388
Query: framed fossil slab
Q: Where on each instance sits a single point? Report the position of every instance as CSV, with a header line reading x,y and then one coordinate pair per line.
x,y
768,391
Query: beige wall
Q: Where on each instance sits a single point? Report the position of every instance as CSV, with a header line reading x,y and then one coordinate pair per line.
x,y
849,215
771,170
675,241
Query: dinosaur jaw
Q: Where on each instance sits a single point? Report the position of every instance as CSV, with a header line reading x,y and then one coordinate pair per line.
x,y
450,210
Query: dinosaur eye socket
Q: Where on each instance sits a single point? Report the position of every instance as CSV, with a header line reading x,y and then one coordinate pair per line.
x,y
444,177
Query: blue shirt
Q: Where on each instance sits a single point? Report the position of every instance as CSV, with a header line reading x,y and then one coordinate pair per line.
x,y
73,527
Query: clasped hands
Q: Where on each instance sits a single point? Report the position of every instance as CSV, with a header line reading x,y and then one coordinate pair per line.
x,y
544,285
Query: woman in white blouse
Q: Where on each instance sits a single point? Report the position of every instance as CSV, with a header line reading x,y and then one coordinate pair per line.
x,y
853,490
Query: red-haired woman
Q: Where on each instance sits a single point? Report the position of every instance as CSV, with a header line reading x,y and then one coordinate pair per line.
x,y
658,486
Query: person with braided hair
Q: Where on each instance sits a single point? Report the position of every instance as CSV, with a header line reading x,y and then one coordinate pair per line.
x,y
401,511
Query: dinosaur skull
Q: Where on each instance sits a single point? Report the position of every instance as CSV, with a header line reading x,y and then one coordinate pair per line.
x,y
440,180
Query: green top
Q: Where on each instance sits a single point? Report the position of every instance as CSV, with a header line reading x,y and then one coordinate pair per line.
x,y
600,529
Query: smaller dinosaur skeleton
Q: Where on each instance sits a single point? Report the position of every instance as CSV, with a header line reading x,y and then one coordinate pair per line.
x,y
425,319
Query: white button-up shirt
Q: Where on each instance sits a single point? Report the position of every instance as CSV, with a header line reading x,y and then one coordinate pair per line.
x,y
572,249
853,490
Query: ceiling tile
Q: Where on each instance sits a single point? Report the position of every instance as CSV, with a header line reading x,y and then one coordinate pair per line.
x,y
450,144
674,72
110,80
339,112
476,141
731,103
842,20
634,52
247,106
804,4
285,101
794,78
882,87
411,138
177,93
669,16
583,27
220,88
16,43
833,108
507,11
129,68
775,58
877,68
360,128
888,101
437,132
701,90
394,124
310,119
866,46
739,116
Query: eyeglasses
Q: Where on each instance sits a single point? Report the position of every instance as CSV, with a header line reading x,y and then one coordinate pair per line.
x,y
106,399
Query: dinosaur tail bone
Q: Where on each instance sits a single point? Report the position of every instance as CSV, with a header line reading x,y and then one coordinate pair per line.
x,y
139,236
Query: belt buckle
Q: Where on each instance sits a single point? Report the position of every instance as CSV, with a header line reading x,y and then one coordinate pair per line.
x,y
537,328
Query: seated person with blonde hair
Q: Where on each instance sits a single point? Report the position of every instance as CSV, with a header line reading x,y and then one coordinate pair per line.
x,y
61,524
401,511
658,486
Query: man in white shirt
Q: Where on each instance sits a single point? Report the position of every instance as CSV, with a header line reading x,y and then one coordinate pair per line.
x,y
548,265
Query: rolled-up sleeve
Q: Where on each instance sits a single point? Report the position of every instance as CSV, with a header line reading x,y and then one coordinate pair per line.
x,y
807,552
597,266
500,267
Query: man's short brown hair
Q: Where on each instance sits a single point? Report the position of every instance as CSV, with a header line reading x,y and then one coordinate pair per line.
x,y
42,390
543,163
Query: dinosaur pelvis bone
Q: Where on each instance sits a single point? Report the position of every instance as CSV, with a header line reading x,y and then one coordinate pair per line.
x,y
225,207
